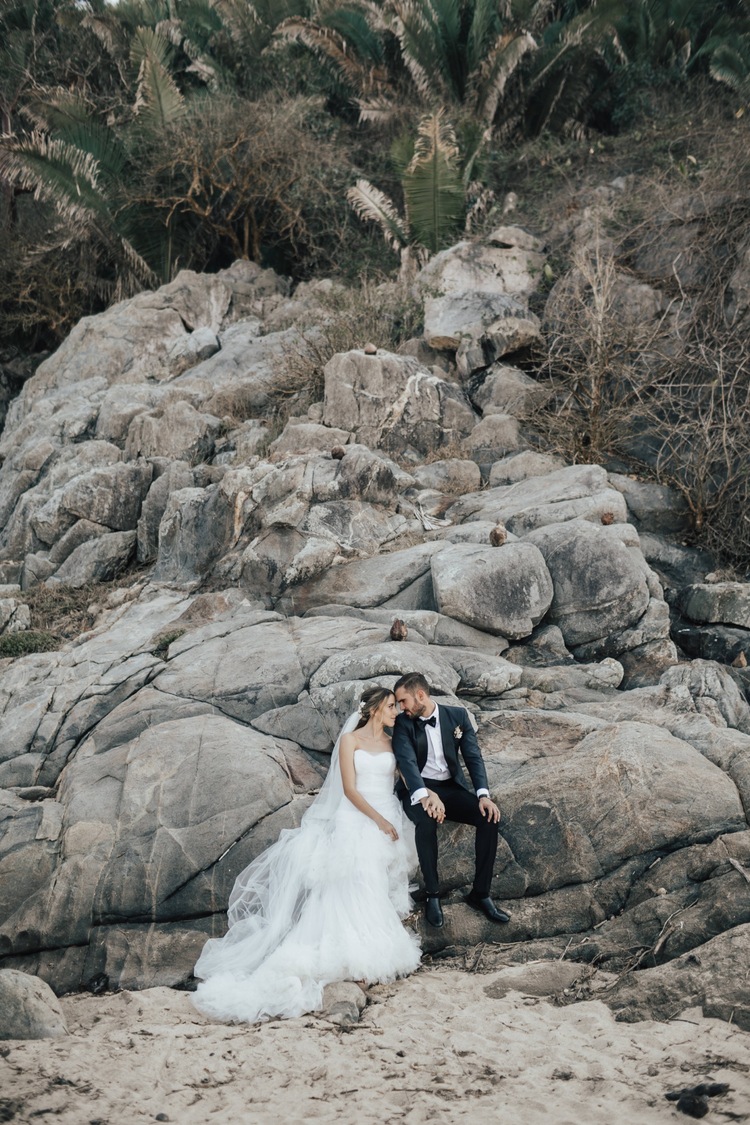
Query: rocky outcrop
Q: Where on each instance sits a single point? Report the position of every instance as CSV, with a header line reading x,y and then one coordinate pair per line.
x,y
145,763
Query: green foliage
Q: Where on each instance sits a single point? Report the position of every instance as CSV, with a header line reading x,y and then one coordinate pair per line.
x,y
23,644
433,190
164,640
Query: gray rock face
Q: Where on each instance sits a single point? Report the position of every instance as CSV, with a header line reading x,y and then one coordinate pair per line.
x,y
145,764
97,560
575,492
654,506
724,603
179,432
391,402
453,476
471,285
505,390
710,981
494,437
599,583
29,1008
505,590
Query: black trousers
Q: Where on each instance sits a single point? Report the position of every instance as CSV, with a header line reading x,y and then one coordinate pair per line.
x,y
462,807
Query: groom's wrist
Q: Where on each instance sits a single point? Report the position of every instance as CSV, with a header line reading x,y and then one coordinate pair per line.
x,y
419,795
483,793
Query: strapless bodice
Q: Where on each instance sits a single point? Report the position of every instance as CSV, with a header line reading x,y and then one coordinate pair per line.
x,y
375,773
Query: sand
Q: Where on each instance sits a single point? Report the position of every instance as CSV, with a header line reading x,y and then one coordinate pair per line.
x,y
433,1048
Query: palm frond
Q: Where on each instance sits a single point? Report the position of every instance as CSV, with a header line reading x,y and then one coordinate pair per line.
x,y
55,171
330,47
373,205
158,100
732,67
498,66
433,187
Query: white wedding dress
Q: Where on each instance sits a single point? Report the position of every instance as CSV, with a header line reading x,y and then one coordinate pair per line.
x,y
323,904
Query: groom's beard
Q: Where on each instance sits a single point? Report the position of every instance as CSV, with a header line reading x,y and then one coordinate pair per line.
x,y
416,712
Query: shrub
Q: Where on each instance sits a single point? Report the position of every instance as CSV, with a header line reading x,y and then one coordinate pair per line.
x,y
22,644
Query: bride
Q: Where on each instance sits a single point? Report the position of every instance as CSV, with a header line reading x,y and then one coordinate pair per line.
x,y
325,902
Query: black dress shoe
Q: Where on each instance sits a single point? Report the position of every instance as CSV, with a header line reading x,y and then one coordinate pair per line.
x,y
487,907
433,911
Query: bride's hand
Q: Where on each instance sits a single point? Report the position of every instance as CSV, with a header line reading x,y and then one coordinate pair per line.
x,y
386,826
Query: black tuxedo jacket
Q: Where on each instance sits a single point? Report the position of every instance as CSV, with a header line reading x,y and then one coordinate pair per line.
x,y
411,758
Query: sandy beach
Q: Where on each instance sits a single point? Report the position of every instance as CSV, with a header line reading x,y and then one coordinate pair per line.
x,y
435,1047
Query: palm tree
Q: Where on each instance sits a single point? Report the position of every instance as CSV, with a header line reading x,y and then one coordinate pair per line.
x,y
76,160
456,52
434,196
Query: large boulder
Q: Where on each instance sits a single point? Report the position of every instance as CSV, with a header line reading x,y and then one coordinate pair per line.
x,y
471,286
599,583
392,402
503,590
723,603
29,1008
710,981
575,492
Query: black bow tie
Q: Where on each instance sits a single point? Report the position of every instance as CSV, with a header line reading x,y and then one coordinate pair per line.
x,y
431,722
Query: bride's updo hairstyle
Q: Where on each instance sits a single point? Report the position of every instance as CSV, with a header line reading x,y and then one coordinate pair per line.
x,y
369,702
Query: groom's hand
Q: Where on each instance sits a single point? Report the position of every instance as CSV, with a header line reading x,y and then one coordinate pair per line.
x,y
434,807
488,808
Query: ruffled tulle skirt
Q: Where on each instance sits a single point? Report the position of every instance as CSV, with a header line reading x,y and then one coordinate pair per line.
x,y
329,909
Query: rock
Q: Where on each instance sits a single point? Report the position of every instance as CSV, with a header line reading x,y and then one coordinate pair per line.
x,y
343,1003
505,591
725,603
569,817
540,978
177,431
140,955
29,1008
162,806
389,659
676,566
387,579
504,336
175,476
504,390
599,584
606,675
97,560
575,492
522,465
708,979
434,627
723,643
15,616
713,691
82,531
299,722
303,437
194,530
391,402
187,351
654,506
482,674
111,496
494,437
470,283
453,476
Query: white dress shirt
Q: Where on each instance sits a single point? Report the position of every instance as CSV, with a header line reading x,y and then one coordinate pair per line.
x,y
436,766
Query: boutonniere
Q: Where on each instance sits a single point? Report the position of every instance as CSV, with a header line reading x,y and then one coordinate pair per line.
x,y
458,734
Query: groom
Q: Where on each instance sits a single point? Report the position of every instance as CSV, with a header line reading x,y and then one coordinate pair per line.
x,y
426,742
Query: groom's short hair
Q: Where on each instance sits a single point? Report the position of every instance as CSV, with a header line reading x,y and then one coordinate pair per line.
x,y
411,682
